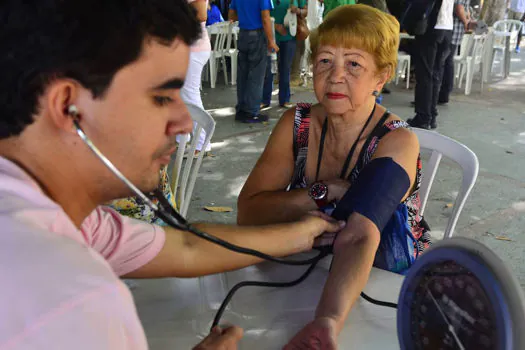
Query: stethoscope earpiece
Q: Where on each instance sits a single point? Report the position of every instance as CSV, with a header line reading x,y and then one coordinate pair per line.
x,y
73,110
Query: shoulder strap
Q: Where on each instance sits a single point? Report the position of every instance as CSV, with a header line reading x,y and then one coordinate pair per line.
x,y
378,129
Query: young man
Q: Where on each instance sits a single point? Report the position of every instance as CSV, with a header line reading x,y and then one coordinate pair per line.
x,y
255,41
461,24
430,52
117,69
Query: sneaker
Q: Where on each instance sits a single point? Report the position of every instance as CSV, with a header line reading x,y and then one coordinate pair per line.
x,y
287,105
518,50
264,105
260,118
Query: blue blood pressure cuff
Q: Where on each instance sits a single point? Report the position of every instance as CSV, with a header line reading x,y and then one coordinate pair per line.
x,y
376,193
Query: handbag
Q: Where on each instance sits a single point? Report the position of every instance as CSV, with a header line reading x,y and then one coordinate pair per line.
x,y
302,29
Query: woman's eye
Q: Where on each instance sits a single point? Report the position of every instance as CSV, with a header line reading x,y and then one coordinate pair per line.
x,y
324,61
162,100
353,64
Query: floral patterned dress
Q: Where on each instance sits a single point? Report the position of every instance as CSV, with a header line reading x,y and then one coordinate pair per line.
x,y
134,207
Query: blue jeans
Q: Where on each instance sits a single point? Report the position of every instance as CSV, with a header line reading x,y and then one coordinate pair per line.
x,y
286,54
251,67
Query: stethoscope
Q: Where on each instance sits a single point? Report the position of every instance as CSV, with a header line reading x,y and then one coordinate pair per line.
x,y
164,210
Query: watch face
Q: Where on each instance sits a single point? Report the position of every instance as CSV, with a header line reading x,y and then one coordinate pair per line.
x,y
318,191
450,309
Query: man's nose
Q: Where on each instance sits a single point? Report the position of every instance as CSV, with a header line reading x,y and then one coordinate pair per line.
x,y
180,121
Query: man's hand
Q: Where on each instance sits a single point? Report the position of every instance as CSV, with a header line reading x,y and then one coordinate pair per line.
x,y
221,339
294,9
319,334
281,29
317,225
272,47
337,189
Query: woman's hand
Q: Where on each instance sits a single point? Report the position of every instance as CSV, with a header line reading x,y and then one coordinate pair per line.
x,y
336,189
294,9
223,339
281,29
319,334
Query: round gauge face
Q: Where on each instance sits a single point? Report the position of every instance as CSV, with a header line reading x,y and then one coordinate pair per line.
x,y
450,309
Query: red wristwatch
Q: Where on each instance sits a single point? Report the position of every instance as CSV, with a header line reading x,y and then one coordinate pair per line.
x,y
318,191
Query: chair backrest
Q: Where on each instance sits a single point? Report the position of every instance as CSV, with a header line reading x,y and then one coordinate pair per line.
x,y
221,31
508,25
440,146
185,169
466,46
478,47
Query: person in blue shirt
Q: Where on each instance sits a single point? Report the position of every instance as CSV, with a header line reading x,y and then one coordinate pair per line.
x,y
255,41
214,14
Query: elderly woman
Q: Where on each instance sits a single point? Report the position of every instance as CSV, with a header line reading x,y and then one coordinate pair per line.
x,y
349,153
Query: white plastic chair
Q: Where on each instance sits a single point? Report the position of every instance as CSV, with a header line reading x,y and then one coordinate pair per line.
x,y
185,169
511,26
460,60
403,67
221,31
440,146
472,63
230,50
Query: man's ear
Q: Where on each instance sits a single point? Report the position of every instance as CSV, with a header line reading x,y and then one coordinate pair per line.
x,y
60,95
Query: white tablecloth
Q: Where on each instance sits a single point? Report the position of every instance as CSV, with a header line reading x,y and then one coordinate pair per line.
x,y
177,313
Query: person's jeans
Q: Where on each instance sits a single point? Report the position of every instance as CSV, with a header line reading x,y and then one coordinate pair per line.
x,y
251,68
431,51
286,55
447,85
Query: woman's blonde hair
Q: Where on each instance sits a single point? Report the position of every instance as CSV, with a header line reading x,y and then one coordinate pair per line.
x,y
362,27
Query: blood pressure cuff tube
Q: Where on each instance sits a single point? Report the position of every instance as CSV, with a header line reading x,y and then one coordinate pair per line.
x,y
376,193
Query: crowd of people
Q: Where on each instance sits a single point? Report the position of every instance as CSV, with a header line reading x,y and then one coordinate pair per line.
x,y
124,80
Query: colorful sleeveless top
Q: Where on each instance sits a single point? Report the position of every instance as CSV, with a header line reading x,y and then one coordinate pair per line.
x,y
406,235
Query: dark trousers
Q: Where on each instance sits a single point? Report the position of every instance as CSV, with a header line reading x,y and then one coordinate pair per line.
x,y
447,85
430,53
286,55
251,69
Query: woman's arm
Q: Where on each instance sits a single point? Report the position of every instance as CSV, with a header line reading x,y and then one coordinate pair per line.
x,y
354,253
264,199
201,8
356,245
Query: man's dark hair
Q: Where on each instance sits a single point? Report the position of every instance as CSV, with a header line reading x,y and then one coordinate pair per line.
x,y
86,40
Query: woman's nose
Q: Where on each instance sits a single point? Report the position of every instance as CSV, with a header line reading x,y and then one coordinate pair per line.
x,y
337,75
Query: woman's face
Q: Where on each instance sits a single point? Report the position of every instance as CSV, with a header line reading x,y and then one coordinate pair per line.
x,y
344,79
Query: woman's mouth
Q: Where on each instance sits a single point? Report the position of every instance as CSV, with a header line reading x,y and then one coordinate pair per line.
x,y
335,96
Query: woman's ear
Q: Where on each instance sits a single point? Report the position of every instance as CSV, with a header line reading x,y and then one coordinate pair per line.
x,y
383,78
